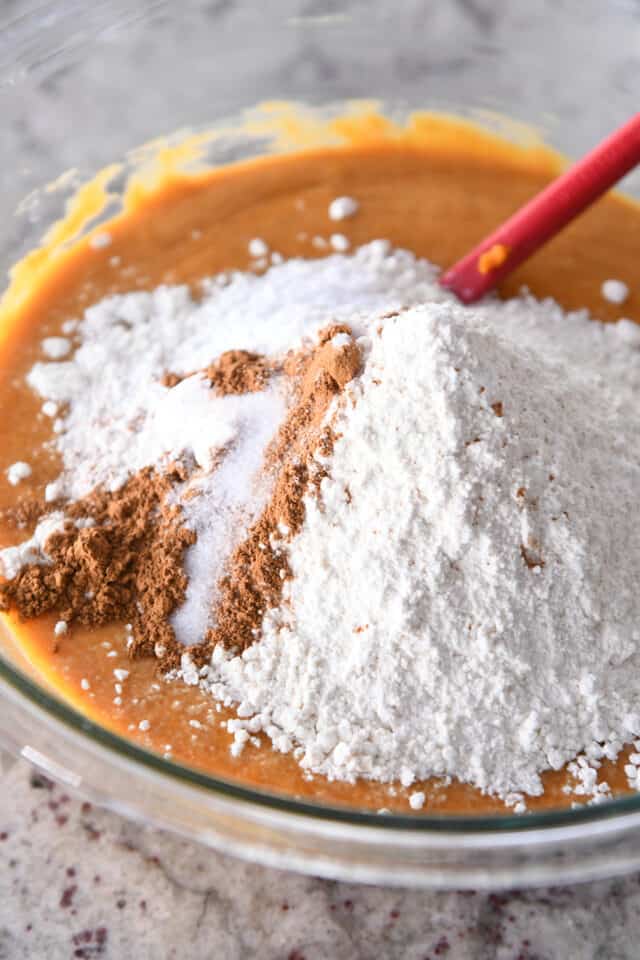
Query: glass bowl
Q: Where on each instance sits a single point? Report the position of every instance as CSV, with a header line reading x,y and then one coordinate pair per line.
x,y
80,86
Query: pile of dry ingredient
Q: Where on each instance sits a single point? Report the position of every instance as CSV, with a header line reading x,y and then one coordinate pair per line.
x,y
397,533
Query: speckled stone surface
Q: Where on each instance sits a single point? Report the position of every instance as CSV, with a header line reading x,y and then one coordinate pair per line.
x,y
78,882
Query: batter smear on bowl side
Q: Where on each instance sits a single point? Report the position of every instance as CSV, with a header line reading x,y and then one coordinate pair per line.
x,y
288,512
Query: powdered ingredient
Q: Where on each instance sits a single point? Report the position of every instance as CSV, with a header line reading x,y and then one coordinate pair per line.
x,y
457,593
110,558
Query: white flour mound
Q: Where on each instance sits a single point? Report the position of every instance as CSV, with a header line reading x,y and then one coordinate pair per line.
x,y
465,595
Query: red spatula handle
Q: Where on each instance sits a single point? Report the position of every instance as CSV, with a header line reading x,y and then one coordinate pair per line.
x,y
547,213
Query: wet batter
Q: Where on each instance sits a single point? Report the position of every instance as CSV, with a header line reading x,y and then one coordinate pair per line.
x,y
436,189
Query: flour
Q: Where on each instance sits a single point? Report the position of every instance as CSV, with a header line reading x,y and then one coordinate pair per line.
x,y
342,208
17,472
56,347
339,242
257,247
615,291
12,559
33,550
464,596
49,408
471,608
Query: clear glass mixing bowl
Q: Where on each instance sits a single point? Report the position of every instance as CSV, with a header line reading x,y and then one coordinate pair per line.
x,y
81,84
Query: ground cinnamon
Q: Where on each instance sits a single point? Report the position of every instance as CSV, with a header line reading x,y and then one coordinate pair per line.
x,y
235,371
126,566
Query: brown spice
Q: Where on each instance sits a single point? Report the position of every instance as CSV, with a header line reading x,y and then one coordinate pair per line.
x,y
126,567
169,379
235,371
238,371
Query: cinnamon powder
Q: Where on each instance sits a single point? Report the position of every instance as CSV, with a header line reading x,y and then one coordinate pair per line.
x,y
125,567
235,371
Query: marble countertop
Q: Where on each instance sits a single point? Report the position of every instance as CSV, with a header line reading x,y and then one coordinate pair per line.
x,y
79,882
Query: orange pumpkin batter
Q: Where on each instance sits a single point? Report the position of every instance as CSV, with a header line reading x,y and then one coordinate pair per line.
x,y
435,188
